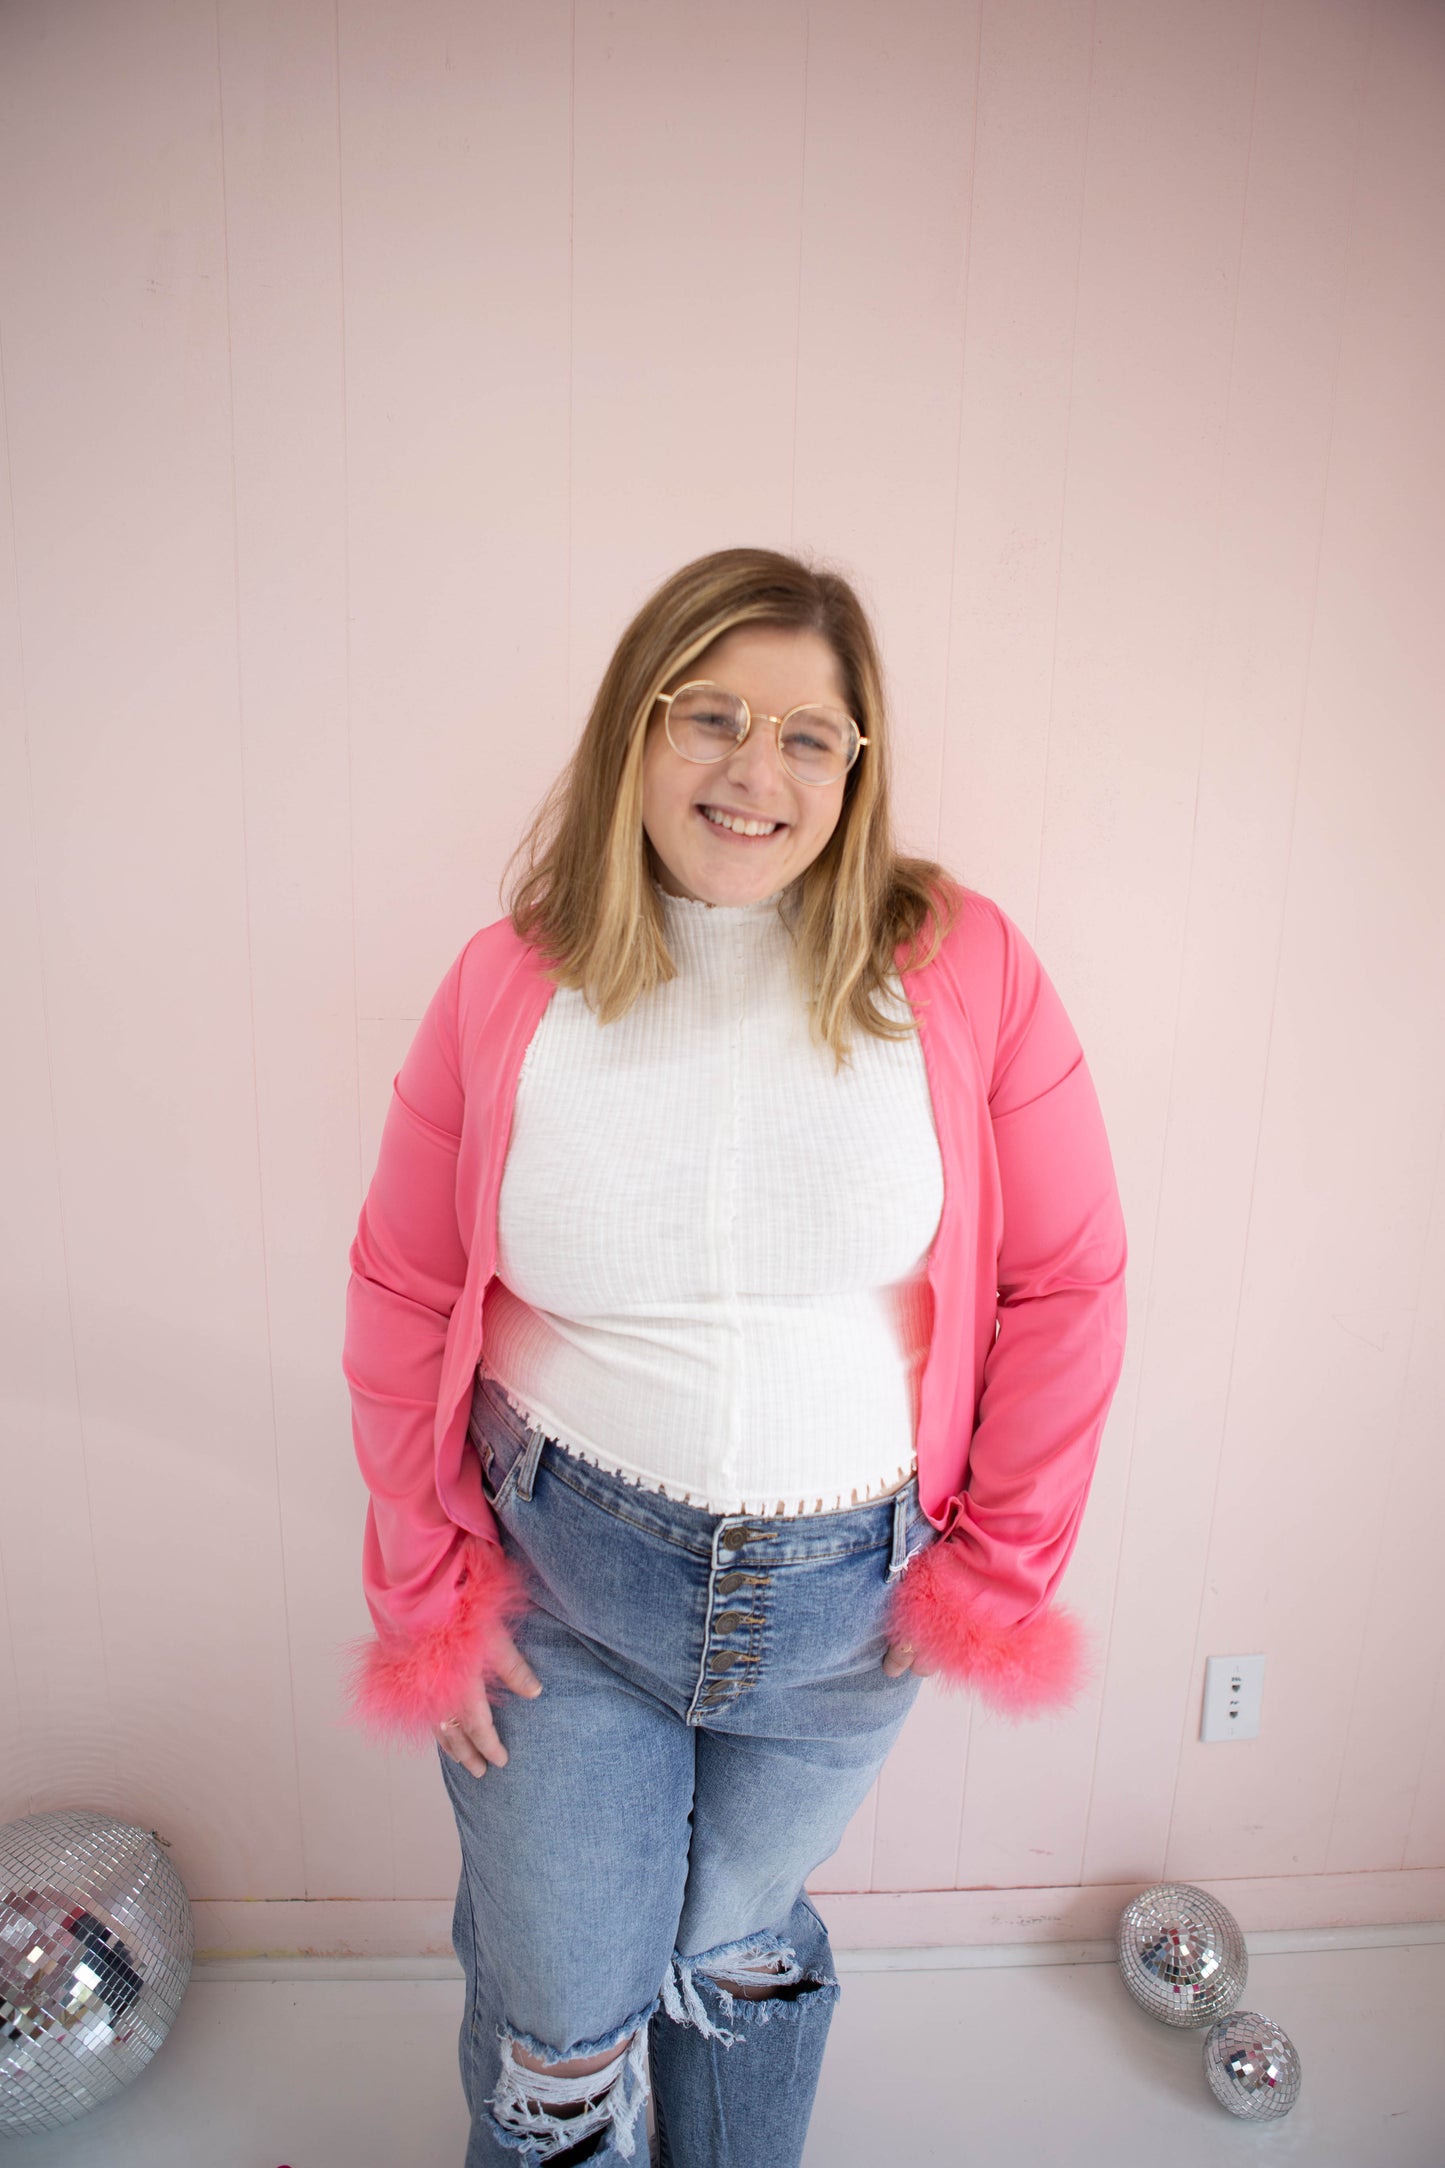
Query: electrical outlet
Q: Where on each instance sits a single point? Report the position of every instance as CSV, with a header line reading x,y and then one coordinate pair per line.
x,y
1233,1692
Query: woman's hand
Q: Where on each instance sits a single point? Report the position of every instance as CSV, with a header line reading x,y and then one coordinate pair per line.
x,y
469,1736
900,1657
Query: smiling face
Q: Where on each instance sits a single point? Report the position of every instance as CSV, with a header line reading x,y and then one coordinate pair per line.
x,y
686,806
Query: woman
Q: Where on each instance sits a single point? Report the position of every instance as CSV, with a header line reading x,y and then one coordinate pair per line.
x,y
733,1318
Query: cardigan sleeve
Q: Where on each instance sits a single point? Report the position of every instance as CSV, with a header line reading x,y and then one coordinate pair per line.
x,y
436,1592
979,1605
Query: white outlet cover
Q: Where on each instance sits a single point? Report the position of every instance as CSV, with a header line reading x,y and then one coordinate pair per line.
x,y
1233,1695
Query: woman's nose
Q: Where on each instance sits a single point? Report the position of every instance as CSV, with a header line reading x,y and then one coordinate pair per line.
x,y
755,762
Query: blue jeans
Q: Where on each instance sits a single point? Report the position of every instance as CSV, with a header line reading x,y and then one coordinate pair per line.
x,y
713,1710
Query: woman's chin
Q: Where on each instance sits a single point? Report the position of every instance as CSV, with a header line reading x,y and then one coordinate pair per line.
x,y
746,885
717,878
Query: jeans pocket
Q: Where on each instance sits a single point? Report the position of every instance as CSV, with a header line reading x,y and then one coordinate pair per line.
x,y
499,1438
921,1532
918,1533
500,1497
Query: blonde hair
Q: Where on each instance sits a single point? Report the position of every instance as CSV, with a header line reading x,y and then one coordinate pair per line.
x,y
584,894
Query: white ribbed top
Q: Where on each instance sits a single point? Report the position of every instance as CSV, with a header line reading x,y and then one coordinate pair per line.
x,y
711,1244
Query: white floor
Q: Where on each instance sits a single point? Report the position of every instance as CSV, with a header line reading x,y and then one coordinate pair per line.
x,y
961,2058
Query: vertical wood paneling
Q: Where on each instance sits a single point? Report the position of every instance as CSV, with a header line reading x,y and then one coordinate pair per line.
x,y
1170,95
1022,295
1384,1799
56,1713
884,258
1416,1720
688,151
1355,1084
1425,1834
850,1867
920,1795
283,269
1280,402
118,411
455,189
353,396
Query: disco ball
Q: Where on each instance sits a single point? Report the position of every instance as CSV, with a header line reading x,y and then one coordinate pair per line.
x,y
1252,2067
1182,1954
96,1940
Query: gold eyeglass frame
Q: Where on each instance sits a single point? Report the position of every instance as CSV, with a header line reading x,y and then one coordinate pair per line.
x,y
809,782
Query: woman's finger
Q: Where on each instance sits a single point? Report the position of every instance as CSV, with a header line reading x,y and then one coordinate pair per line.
x,y
473,1740
513,1669
458,1746
483,1734
897,1658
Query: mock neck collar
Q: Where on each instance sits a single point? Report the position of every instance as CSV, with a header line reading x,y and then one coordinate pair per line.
x,y
686,910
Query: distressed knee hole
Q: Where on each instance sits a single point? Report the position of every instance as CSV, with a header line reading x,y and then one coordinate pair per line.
x,y
762,1971
764,1976
582,2066
565,2105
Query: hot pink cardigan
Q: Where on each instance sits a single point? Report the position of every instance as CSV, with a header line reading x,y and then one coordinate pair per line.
x,y
1026,1275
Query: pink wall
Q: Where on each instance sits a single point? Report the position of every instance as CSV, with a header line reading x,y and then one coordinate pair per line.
x,y
350,405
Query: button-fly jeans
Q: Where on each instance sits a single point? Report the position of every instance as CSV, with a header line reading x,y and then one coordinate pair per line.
x,y
713,1710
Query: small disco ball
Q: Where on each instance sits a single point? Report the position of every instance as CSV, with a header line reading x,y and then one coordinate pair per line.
x,y
96,1940
1253,2068
1182,1954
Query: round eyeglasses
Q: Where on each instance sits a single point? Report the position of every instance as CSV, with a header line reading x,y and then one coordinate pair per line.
x,y
705,723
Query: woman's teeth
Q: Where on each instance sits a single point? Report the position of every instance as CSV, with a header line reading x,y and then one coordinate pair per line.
x,y
739,827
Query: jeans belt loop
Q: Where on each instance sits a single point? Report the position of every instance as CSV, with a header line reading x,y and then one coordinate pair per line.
x,y
532,1453
898,1558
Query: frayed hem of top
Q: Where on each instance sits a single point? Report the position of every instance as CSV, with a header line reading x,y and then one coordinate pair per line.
x,y
887,1486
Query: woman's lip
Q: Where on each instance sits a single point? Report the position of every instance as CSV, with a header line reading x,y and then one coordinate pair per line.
x,y
733,813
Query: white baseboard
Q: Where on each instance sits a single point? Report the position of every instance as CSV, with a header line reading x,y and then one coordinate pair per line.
x,y
1280,1942
1090,1912
1050,1925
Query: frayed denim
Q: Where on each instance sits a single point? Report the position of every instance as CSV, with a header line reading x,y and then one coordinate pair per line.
x,y
734,2080
714,1710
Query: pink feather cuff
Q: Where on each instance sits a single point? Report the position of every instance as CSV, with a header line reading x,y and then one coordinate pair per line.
x,y
1034,1669
401,1689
